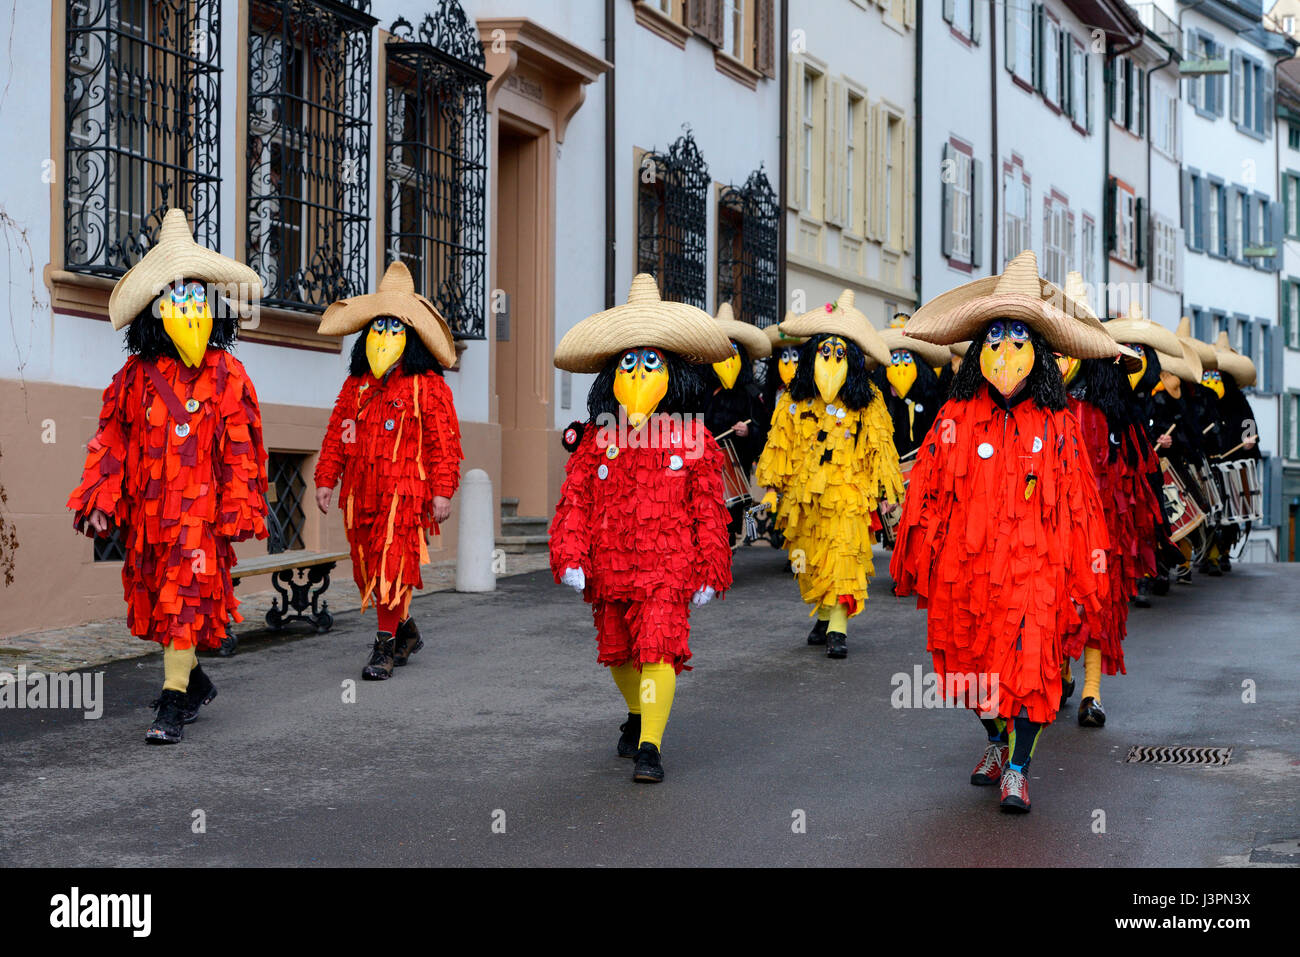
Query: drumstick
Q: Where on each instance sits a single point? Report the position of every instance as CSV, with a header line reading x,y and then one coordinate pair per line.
x,y
1223,455
1169,431
904,458
723,435
1206,430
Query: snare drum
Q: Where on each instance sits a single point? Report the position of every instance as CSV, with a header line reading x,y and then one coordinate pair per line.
x,y
735,481
889,519
1181,510
1244,494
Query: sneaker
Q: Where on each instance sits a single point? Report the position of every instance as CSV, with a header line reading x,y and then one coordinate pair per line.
x,y
168,725
380,665
1015,792
989,770
837,645
1090,714
818,634
649,769
628,740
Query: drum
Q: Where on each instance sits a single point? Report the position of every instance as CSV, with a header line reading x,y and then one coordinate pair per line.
x,y
1181,510
1208,488
889,517
735,481
1244,495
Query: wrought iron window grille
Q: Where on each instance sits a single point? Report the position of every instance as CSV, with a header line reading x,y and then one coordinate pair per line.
x,y
142,123
110,548
672,221
285,493
435,163
748,250
309,65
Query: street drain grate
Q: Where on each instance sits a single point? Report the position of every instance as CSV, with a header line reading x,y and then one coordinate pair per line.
x,y
1178,754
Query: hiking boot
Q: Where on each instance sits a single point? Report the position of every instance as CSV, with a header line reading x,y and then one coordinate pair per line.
x,y
1015,792
168,724
629,740
201,691
380,665
837,645
818,634
408,642
1067,689
1090,714
649,769
989,770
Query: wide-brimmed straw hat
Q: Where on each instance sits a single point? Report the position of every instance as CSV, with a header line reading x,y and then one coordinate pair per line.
x,y
396,296
841,318
1240,367
1204,351
1137,328
173,257
959,349
1186,365
643,321
1078,292
926,352
778,338
750,336
1018,293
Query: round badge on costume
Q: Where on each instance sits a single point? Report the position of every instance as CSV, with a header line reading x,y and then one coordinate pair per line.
x,y
182,430
390,425
603,471
397,403
570,436
675,463
1038,443
830,409
611,452
840,413
985,450
192,405
920,407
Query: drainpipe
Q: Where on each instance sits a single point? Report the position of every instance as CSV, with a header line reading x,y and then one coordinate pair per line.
x,y
918,180
610,206
994,165
781,164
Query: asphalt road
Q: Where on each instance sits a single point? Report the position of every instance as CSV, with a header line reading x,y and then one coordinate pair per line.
x,y
496,747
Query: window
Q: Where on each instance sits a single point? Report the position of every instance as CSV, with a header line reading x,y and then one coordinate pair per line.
x,y
962,203
435,173
748,250
1164,122
1288,24
1126,224
1291,432
737,31
308,230
141,128
1291,312
672,220
962,206
808,120
1078,84
1251,93
852,168
1128,96
1019,26
1292,136
284,495
1291,203
1216,239
893,221
1056,238
960,14
1051,66
1015,205
1165,248
1205,92
1088,240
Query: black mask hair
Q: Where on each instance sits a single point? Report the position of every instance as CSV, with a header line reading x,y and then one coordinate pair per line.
x,y
857,391
1104,383
1045,385
146,337
685,388
416,357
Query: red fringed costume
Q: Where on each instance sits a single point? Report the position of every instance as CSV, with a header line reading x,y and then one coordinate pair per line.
x,y
999,549
649,528
178,500
1132,517
396,444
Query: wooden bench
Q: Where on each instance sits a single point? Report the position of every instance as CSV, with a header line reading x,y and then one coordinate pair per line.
x,y
301,577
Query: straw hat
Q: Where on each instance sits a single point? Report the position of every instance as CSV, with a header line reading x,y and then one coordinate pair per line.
x,y
644,320
926,352
841,318
174,256
1204,351
958,349
778,338
1186,365
396,296
748,335
1240,367
1019,293
1077,291
1145,332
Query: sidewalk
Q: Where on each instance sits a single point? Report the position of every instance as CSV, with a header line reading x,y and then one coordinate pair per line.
x,y
100,642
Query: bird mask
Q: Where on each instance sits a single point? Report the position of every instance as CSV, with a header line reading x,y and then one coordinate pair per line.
x,y
1170,383
1135,377
1007,355
1069,367
901,372
385,343
831,367
728,370
1212,379
187,320
788,364
640,383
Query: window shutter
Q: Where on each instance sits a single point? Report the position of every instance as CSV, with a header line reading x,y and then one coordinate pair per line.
x,y
945,204
1140,232
1238,86
1188,210
909,186
832,201
1037,66
871,175
1142,102
1268,118
1009,35
1192,89
1087,91
794,127
1180,243
1275,507
977,213
879,120
1201,208
765,38
1247,222
1276,357
949,10
909,13
1275,228
1110,215
697,16
976,23
1219,51
1232,198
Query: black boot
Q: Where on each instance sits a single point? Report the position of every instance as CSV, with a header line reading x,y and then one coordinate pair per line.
x,y
201,691
1067,689
1143,598
408,642
1210,568
649,769
818,634
168,724
380,665
1160,584
629,740
837,645
1185,574
1225,564
1090,714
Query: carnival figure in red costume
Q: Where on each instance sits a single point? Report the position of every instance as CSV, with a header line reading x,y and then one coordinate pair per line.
x,y
1002,537
1122,459
641,529
177,463
394,442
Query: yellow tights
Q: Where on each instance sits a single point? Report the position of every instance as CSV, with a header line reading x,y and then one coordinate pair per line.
x,y
177,665
1092,673
836,616
648,691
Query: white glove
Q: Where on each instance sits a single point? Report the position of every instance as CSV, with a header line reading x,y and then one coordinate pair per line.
x,y
575,579
703,596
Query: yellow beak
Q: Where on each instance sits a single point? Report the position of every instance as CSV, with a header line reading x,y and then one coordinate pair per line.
x,y
383,349
902,377
1006,365
640,391
1215,386
830,376
728,370
1135,377
786,368
188,325
1069,367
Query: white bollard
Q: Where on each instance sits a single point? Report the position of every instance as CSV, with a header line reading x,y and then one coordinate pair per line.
x,y
476,539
